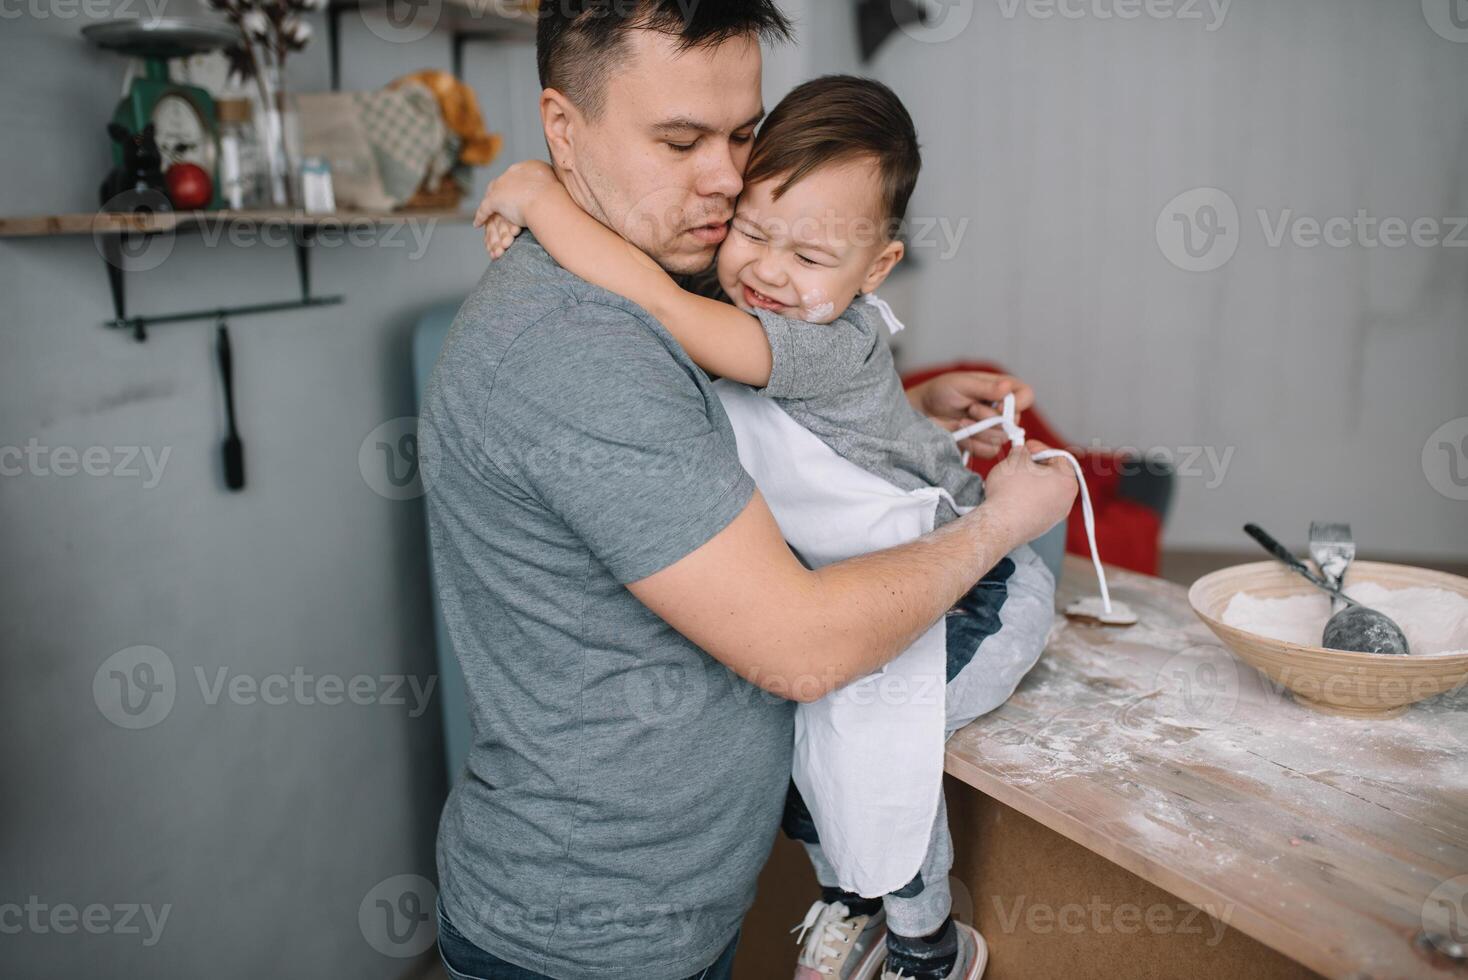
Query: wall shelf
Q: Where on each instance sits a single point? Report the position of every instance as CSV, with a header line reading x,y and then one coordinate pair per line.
x,y
109,223
111,231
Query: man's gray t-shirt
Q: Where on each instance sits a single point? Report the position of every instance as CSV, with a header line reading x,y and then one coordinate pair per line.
x,y
623,788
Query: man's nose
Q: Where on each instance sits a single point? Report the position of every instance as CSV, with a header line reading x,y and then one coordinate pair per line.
x,y
721,175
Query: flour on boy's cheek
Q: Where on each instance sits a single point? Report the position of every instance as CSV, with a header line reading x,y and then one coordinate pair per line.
x,y
816,307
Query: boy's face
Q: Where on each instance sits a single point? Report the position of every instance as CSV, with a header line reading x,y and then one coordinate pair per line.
x,y
808,254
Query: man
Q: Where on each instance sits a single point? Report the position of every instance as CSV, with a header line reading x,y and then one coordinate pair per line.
x,y
596,540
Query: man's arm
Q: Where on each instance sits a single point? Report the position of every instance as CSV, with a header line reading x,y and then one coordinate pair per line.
x,y
801,634
720,338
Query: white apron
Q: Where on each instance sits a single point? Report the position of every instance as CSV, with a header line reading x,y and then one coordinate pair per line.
x,y
868,758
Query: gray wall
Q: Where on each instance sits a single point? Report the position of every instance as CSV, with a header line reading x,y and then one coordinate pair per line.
x,y
263,827
1323,371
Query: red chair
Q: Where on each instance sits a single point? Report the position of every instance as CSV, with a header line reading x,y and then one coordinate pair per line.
x,y
1130,499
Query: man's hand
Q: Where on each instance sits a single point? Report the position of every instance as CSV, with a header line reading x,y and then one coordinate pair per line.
x,y
961,398
507,201
1029,497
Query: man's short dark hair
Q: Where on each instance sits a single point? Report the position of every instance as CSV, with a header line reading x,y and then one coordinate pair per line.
x,y
578,43
839,119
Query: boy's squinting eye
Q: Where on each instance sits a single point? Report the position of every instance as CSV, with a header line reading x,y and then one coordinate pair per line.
x,y
806,259
749,233
680,147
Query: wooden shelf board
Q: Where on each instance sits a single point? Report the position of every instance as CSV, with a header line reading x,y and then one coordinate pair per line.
x,y
102,223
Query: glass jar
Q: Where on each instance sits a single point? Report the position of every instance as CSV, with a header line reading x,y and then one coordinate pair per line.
x,y
241,160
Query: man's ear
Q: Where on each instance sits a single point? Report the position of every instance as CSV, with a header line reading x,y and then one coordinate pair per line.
x,y
561,121
883,265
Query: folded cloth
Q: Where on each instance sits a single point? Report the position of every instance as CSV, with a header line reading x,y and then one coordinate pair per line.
x,y
331,128
460,109
408,135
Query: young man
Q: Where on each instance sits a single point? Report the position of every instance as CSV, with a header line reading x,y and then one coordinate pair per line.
x,y
596,541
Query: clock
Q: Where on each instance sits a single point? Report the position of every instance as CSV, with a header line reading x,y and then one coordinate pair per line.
x,y
185,124
186,130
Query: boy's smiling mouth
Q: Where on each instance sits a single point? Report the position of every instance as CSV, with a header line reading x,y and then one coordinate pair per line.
x,y
760,301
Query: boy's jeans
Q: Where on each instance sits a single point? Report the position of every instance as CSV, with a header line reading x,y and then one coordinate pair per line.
x,y
466,961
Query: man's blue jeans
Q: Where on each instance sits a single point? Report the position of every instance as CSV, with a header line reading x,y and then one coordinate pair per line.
x,y
466,961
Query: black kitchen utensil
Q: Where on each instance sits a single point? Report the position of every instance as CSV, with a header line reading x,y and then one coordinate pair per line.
x,y
234,449
1356,628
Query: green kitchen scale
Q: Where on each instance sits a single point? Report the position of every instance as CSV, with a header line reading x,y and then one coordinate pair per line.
x,y
185,124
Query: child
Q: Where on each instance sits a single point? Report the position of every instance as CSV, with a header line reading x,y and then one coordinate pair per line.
x,y
827,185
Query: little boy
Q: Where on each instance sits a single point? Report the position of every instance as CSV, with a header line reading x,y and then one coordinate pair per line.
x,y
826,188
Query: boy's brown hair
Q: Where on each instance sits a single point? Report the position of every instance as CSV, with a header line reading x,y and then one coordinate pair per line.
x,y
836,119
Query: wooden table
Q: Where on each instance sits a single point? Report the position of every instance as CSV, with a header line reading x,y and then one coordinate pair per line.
x,y
1135,765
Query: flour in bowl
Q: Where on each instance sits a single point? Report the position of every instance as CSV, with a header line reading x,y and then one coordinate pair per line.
x,y
1435,620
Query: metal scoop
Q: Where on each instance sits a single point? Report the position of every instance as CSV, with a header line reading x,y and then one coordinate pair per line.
x,y
1356,628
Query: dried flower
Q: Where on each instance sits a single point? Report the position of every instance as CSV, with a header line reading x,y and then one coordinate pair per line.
x,y
255,24
295,31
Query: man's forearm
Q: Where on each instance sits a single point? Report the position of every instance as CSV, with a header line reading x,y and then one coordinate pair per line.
x,y
801,634
861,613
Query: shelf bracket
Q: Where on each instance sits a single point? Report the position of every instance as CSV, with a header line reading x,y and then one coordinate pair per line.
x,y
304,236
116,280
334,11
112,261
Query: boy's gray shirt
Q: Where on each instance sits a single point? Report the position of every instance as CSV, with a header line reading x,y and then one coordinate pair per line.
x,y
623,788
838,380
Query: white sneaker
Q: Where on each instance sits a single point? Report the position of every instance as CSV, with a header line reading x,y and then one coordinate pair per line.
x,y
838,943
973,956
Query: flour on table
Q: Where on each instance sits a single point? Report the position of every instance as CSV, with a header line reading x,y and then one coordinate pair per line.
x,y
1434,620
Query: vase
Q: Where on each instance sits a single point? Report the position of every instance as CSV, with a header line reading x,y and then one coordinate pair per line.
x,y
280,138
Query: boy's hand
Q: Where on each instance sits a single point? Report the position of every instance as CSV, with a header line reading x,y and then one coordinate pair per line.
x,y
961,398
499,235
502,212
1029,497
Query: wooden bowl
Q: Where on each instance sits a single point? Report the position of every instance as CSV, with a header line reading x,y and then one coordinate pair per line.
x,y
1334,681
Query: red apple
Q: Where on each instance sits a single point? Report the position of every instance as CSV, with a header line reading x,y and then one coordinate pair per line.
x,y
189,186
